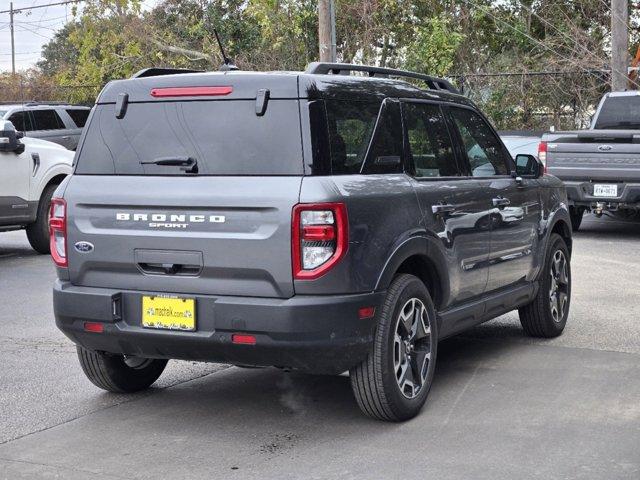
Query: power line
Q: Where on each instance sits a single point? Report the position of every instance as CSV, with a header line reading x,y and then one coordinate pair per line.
x,y
24,9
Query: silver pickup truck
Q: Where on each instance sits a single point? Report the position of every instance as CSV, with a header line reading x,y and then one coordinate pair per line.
x,y
600,166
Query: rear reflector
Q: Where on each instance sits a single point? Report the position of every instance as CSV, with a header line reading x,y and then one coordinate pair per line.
x,y
240,339
366,312
93,327
190,91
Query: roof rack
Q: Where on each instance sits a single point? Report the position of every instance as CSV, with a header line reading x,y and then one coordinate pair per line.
x,y
434,83
158,71
37,104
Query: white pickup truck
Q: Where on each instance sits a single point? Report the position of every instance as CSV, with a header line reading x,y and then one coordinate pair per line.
x,y
30,171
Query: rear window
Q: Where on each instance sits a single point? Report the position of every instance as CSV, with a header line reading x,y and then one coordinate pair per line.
x,y
47,120
225,137
619,113
79,116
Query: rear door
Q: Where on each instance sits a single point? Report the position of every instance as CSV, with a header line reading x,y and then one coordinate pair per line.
x,y
515,209
456,207
225,230
47,125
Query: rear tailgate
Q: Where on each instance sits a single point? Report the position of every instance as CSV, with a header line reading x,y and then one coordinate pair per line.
x,y
222,225
195,235
609,155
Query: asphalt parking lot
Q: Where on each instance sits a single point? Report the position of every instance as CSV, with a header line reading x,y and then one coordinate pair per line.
x,y
502,406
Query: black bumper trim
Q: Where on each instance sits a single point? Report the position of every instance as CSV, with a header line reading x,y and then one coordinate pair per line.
x,y
321,334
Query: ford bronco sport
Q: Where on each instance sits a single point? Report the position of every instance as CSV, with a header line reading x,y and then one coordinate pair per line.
x,y
342,218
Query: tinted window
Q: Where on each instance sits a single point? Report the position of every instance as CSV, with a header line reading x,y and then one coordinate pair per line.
x,y
619,113
22,121
46,120
225,137
429,142
351,125
79,116
482,146
385,155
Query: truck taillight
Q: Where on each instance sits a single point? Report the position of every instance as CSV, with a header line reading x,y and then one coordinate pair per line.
x,y
58,231
319,238
542,154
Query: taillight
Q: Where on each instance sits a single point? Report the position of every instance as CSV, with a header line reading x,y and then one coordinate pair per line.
x,y
58,231
320,238
542,154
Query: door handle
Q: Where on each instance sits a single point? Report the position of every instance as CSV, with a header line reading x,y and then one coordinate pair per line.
x,y
66,137
443,208
501,202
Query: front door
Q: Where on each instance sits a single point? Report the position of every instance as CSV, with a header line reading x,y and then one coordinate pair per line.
x,y
455,207
515,207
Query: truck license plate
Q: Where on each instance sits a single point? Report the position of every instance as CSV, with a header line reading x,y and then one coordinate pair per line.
x,y
605,190
171,313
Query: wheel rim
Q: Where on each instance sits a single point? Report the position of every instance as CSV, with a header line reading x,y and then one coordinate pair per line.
x,y
412,348
559,288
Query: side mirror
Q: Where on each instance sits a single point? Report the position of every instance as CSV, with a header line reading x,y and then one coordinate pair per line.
x,y
9,141
528,166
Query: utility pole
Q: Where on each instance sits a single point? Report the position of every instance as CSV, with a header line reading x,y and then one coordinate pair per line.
x,y
13,43
619,44
327,30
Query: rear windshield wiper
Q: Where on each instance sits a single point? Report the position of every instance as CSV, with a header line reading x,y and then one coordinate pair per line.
x,y
186,164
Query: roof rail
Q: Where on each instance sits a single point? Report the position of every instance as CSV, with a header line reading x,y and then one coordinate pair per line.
x,y
157,71
434,83
35,103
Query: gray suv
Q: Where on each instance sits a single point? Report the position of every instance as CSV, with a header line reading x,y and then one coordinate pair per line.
x,y
319,221
57,123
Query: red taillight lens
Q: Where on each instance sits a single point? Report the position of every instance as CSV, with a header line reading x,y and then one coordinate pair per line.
x,y
542,154
191,91
241,339
319,238
93,327
58,231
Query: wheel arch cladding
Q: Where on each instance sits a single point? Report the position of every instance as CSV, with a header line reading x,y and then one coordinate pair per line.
x,y
562,228
419,256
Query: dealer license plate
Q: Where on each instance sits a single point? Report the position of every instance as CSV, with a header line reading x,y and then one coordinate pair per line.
x,y
169,312
605,190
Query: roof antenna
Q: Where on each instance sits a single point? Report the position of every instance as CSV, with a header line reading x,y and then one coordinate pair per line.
x,y
228,64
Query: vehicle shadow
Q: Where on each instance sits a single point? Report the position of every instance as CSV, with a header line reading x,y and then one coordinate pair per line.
x,y
608,227
286,402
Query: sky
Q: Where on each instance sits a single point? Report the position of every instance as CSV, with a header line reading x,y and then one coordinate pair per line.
x,y
33,29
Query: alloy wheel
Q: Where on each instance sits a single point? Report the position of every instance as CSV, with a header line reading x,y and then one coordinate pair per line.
x,y
559,288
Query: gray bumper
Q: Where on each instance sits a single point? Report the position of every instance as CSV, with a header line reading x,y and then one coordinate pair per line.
x,y
313,333
581,194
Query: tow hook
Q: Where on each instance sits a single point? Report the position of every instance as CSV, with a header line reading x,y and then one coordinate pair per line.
x,y
599,209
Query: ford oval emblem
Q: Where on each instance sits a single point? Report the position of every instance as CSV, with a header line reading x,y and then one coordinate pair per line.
x,y
84,247
605,148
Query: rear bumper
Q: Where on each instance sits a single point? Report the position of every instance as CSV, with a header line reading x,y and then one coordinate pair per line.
x,y
321,334
581,194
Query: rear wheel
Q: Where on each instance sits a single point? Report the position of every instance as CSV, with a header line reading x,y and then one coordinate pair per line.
x,y
546,316
576,215
119,373
392,384
38,232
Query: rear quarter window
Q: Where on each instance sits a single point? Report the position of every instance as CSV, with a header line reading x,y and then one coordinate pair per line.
x,y
79,116
226,137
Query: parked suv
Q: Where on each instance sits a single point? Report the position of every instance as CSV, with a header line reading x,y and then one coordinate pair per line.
x,y
316,221
30,171
58,123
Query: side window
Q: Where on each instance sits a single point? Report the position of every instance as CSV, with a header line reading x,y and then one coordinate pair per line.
x,y
429,142
79,116
481,145
22,121
351,125
385,155
46,120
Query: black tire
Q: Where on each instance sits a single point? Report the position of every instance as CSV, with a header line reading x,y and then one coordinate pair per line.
x,y
113,374
375,381
538,318
576,215
38,232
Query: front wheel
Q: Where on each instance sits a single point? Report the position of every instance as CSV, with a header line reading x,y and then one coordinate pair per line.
x,y
38,232
392,384
118,373
546,316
